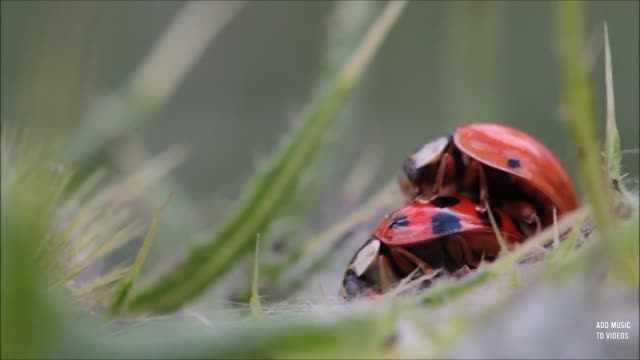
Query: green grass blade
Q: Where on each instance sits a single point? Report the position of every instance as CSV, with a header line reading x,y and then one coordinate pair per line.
x,y
315,252
449,292
564,249
254,302
112,124
612,139
439,295
362,335
496,230
125,285
269,189
29,322
107,280
578,102
625,250
349,21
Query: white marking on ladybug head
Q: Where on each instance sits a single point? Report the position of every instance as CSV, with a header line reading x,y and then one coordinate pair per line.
x,y
365,257
430,152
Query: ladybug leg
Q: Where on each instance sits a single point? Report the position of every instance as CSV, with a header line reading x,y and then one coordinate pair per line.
x,y
484,192
534,219
466,250
526,213
407,256
401,261
454,251
460,251
464,270
474,173
385,272
447,166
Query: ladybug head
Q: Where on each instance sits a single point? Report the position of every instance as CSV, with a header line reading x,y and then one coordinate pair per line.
x,y
362,278
354,286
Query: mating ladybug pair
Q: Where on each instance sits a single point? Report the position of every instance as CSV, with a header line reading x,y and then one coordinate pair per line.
x,y
451,184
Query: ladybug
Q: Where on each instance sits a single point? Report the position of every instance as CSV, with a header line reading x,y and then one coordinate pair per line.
x,y
493,164
447,232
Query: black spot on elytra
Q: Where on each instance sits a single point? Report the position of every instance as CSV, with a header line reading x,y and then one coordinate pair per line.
x,y
399,221
484,217
445,201
513,163
445,223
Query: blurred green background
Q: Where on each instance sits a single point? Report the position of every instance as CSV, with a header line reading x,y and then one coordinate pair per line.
x,y
68,69
443,64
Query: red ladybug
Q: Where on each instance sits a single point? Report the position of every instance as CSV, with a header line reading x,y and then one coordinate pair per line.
x,y
447,232
522,175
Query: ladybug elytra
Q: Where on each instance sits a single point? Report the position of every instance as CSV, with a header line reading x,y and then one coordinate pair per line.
x,y
446,232
451,184
493,164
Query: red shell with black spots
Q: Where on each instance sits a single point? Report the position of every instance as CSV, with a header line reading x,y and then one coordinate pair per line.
x,y
420,221
517,153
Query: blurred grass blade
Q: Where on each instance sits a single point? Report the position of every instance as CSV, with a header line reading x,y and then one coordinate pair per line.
x,y
90,226
578,103
612,140
361,335
111,124
254,302
496,230
155,80
125,285
451,291
306,262
348,21
568,221
625,251
29,322
73,267
560,253
556,233
292,272
446,292
269,189
117,273
180,47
